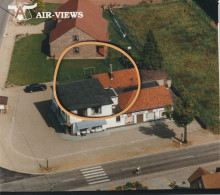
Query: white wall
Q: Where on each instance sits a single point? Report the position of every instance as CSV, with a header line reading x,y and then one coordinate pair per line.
x,y
107,111
115,100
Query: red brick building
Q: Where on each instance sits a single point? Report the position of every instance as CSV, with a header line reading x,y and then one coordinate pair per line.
x,y
92,27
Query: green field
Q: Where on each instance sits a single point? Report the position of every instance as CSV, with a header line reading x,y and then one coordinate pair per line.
x,y
73,70
49,7
29,64
117,39
189,47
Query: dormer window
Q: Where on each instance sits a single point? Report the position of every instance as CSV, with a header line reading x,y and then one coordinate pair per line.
x,y
96,110
76,38
76,50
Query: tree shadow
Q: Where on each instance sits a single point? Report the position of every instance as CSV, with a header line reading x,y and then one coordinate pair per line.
x,y
49,25
160,130
45,47
210,7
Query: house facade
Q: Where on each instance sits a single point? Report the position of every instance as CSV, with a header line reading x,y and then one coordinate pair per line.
x,y
203,179
89,98
91,27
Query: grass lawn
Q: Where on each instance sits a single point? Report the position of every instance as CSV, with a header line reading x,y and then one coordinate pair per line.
x,y
49,7
73,70
117,39
189,47
29,64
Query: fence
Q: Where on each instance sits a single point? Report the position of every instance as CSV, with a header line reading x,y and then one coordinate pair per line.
x,y
199,108
131,38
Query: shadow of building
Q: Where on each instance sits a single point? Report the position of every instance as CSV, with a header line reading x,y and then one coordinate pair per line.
x,y
49,117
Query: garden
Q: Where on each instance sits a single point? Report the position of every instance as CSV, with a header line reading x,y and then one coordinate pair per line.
x,y
189,47
30,63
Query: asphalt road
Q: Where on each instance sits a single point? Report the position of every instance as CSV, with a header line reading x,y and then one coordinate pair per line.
x,y
117,170
4,14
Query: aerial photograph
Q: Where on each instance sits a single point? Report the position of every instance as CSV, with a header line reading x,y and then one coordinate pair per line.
x,y
109,95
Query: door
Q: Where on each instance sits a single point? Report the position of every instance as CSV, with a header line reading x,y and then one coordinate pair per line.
x,y
140,118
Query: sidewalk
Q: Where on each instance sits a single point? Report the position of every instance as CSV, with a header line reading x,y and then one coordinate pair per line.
x,y
28,138
8,45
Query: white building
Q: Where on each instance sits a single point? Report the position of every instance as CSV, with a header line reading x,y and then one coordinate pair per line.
x,y
90,97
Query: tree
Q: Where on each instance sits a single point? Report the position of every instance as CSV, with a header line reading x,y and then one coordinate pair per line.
x,y
40,6
183,113
152,57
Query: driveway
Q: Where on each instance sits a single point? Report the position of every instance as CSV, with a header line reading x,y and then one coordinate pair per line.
x,y
28,138
8,45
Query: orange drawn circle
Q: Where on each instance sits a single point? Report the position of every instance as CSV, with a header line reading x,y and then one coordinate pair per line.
x,y
94,43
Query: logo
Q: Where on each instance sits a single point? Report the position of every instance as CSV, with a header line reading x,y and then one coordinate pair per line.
x,y
20,11
60,15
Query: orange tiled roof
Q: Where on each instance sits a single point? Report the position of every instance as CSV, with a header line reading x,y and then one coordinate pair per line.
x,y
211,181
198,173
122,78
92,22
148,98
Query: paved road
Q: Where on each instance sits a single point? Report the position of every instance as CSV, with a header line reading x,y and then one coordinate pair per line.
x,y
117,170
4,14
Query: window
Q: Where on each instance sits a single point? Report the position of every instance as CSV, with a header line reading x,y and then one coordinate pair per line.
x,y
96,110
82,112
76,38
150,116
97,127
118,119
76,50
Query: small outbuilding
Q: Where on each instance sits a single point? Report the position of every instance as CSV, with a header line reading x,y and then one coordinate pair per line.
x,y
3,104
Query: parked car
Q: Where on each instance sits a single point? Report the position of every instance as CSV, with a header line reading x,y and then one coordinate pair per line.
x,y
35,87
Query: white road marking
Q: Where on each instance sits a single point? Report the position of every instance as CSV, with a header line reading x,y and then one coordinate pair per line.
x,y
184,157
91,168
90,171
205,154
102,181
94,179
68,180
95,175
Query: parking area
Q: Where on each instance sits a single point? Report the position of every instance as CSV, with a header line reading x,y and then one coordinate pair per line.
x,y
29,139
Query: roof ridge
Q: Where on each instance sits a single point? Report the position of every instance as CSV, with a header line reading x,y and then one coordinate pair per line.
x,y
78,81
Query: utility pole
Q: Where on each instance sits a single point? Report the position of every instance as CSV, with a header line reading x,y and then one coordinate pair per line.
x,y
47,163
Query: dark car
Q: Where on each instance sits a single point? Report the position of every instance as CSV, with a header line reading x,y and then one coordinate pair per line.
x,y
35,87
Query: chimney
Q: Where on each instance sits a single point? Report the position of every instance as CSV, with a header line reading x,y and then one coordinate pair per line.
x,y
111,72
